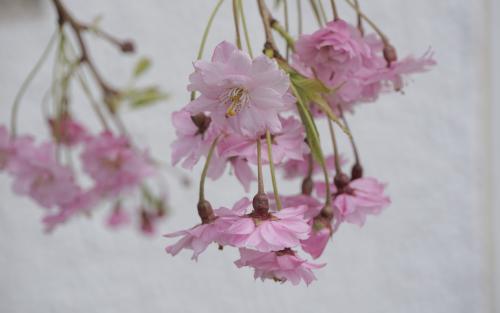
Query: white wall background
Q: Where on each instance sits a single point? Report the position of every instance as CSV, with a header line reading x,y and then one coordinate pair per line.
x,y
431,251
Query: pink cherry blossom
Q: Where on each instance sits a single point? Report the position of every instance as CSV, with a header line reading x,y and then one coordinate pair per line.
x,y
118,217
299,168
197,239
193,141
318,239
288,144
359,198
114,165
239,167
280,266
277,231
239,92
67,131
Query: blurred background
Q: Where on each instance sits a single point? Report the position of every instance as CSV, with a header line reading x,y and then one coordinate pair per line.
x,y
433,250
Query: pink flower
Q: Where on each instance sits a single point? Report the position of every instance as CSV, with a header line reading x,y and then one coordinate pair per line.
x,y
118,217
312,204
38,175
194,137
67,131
359,198
333,51
277,231
239,92
299,168
280,266
239,166
114,165
318,239
197,239
286,144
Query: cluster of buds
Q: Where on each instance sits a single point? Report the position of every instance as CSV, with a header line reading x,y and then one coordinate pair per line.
x,y
76,169
252,112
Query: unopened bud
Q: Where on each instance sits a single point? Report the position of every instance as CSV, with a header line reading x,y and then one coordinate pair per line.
x,y
356,171
205,211
127,47
390,54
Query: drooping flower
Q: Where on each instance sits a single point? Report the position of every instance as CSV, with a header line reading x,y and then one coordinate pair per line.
x,y
280,266
37,174
321,232
273,232
197,239
359,198
288,144
118,217
239,92
299,168
239,166
195,134
114,165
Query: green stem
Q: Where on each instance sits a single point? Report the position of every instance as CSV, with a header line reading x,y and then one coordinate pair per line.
x,y
299,17
245,29
27,81
205,36
290,42
236,18
316,12
204,172
260,179
335,148
334,9
272,170
369,21
351,139
287,27
322,11
359,19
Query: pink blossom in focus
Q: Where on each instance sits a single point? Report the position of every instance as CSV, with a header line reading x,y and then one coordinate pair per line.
x,y
192,141
279,230
280,266
245,94
239,166
114,165
361,197
37,174
197,239
288,144
318,239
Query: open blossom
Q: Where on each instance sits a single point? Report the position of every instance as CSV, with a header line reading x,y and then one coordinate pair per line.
x,y
194,137
239,166
288,144
114,165
280,266
197,239
274,232
295,168
359,198
82,203
333,51
37,174
239,92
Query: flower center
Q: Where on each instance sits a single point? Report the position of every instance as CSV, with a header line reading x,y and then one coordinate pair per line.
x,y
237,98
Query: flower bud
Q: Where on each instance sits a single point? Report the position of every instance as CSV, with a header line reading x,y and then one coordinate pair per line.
x,y
127,47
205,211
341,181
390,54
356,171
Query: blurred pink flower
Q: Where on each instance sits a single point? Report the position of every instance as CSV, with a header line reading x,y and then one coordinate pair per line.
x,y
37,174
299,168
118,217
245,94
67,131
359,198
114,165
280,266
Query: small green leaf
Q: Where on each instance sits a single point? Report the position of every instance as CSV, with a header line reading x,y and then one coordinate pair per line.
x,y
142,66
139,98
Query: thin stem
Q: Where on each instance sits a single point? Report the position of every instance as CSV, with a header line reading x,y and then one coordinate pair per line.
x,y
260,178
266,21
328,198
299,17
205,36
236,23
287,27
27,81
93,102
334,9
316,12
369,21
290,42
358,17
322,11
335,148
205,169
245,29
272,170
351,139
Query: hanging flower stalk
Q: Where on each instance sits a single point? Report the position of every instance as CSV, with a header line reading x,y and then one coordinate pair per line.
x,y
55,173
250,112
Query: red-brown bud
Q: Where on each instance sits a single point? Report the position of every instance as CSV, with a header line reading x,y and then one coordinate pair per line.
x,y
390,54
261,204
205,212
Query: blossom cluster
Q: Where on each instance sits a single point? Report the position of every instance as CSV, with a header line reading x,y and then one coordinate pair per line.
x,y
115,168
245,104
